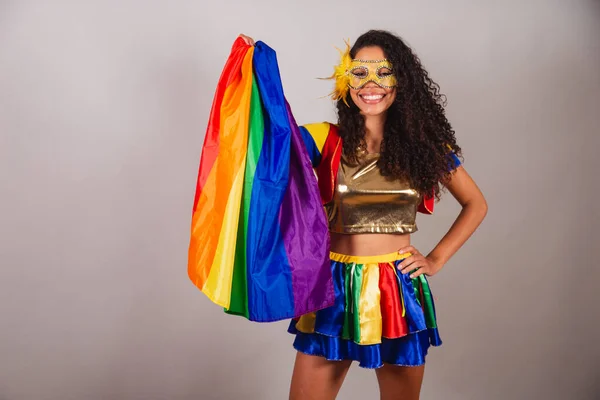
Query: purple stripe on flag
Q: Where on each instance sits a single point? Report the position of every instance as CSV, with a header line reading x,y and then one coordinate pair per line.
x,y
305,231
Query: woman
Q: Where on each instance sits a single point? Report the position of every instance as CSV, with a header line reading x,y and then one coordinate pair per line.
x,y
397,148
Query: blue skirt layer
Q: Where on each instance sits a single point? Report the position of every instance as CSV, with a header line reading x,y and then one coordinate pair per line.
x,y
407,351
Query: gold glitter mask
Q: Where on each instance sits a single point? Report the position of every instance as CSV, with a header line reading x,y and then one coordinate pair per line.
x,y
362,72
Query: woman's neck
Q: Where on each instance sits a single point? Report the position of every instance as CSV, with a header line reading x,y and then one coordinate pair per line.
x,y
374,128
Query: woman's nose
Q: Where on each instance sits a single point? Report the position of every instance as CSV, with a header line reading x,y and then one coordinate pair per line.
x,y
371,84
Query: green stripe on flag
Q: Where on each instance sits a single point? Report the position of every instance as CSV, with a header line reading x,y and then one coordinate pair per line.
x,y
239,289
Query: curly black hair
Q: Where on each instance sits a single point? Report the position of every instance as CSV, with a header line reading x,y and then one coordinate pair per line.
x,y
417,133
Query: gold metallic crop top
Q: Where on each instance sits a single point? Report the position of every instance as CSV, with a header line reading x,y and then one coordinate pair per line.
x,y
366,202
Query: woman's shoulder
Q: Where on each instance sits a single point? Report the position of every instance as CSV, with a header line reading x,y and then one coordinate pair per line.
x,y
319,126
319,132
321,140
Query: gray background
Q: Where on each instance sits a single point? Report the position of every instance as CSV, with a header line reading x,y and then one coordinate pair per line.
x,y
103,108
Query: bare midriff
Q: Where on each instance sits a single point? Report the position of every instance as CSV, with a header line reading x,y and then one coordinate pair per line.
x,y
368,244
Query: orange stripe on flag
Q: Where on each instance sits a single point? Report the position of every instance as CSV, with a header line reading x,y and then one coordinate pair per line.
x,y
215,219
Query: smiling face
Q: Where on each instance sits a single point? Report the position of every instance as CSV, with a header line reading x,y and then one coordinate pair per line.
x,y
372,82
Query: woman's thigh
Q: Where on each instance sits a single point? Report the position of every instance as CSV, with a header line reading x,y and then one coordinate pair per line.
x,y
400,383
316,378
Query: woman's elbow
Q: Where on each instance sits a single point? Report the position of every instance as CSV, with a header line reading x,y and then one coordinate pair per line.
x,y
477,206
480,206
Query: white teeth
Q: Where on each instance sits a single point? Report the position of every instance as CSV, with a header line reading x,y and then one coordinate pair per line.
x,y
373,97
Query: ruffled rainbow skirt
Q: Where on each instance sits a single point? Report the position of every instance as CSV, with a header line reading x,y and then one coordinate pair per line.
x,y
379,315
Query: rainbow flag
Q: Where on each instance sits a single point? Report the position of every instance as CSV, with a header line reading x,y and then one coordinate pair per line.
x,y
259,242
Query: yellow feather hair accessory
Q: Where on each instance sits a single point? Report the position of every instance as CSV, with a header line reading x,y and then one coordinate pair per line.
x,y
340,74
